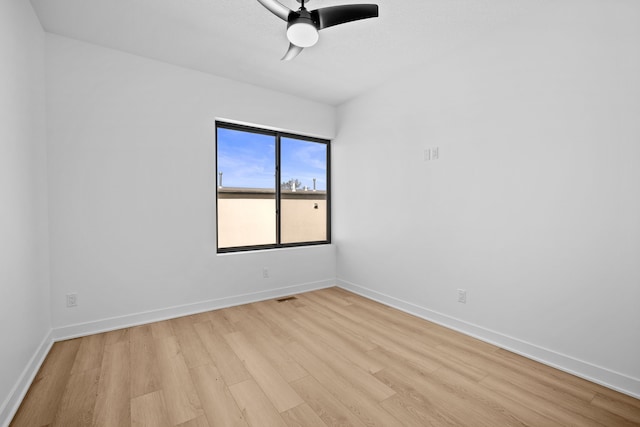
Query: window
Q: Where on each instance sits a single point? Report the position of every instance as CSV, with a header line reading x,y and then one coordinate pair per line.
x,y
272,189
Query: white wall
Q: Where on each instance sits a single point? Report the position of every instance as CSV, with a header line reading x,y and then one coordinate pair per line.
x,y
24,285
132,189
534,205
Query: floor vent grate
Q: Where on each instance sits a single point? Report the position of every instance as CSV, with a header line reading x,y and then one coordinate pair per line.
x,y
285,299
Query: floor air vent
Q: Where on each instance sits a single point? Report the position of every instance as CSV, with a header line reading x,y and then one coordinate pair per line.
x,y
286,299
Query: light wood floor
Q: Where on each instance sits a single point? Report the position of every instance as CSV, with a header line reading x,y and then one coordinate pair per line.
x,y
327,358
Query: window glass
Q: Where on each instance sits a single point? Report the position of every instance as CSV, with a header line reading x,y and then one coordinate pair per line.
x,y
272,189
246,188
303,202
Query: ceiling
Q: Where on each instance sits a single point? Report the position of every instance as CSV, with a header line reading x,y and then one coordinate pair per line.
x,y
241,40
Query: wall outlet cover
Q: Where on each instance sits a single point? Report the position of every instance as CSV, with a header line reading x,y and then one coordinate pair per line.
x,y
462,296
72,300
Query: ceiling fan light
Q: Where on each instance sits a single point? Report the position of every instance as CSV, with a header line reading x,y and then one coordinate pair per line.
x,y
302,34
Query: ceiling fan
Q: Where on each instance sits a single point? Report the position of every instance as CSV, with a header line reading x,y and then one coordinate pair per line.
x,y
303,25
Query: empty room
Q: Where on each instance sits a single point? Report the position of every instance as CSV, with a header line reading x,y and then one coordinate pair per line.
x,y
319,213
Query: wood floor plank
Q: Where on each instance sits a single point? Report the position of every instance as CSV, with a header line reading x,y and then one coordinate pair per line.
x,y
362,309
347,295
276,388
355,399
221,323
200,421
61,358
30,413
324,330
575,393
338,326
389,359
143,360
396,348
383,336
487,404
541,397
333,297
626,408
219,406
162,329
546,388
354,374
79,400
410,412
223,357
255,405
629,402
312,303
261,334
560,415
438,404
113,402
235,314
422,348
396,319
279,314
89,354
344,368
329,408
148,410
116,336
538,369
381,315
345,325
204,316
193,350
183,403
302,416
446,337
415,395
41,403
283,363
274,330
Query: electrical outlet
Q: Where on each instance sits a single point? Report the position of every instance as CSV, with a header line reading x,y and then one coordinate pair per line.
x,y
462,296
265,273
72,300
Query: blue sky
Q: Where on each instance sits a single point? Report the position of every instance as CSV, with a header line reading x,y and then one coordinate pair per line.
x,y
248,160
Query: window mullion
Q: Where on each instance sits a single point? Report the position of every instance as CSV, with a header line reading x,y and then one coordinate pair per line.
x,y
278,181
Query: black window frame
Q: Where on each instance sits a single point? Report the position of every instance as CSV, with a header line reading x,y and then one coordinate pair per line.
x,y
278,135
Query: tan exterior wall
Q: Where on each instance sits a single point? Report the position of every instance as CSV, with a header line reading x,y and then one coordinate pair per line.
x,y
251,221
302,222
244,222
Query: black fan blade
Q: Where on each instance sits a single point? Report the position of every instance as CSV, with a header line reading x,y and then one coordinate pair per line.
x,y
292,52
277,8
335,15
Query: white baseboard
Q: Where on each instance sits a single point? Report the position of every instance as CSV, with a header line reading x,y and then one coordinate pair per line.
x,y
12,402
113,323
603,376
